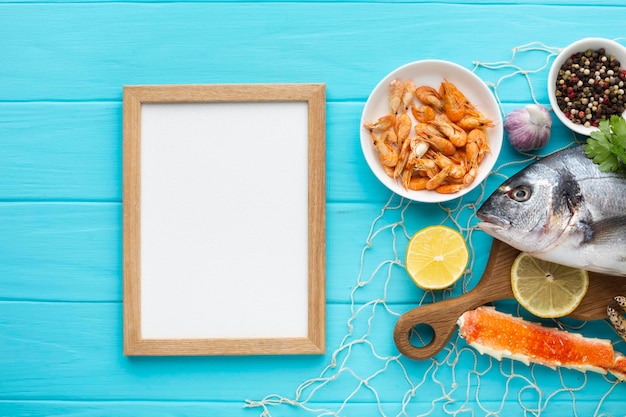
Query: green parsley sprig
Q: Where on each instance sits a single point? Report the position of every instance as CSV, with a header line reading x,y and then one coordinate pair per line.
x,y
607,146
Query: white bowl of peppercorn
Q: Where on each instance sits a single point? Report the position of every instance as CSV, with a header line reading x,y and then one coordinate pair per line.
x,y
587,83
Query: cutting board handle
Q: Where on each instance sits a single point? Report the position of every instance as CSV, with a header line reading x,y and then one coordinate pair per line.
x,y
442,317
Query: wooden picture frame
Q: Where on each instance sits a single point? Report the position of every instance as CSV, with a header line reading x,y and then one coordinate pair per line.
x,y
224,219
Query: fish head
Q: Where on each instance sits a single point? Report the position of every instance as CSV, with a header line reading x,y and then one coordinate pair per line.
x,y
525,211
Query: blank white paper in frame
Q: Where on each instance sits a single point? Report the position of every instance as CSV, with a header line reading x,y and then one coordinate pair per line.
x,y
223,211
224,225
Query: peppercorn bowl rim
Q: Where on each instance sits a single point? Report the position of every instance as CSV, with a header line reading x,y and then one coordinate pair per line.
x,y
432,72
612,47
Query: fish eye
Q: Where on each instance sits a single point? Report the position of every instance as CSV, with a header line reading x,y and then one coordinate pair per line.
x,y
520,194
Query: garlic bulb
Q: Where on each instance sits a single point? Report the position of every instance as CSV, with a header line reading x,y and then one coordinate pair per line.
x,y
528,128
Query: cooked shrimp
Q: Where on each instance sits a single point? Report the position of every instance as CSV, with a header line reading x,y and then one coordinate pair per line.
x,y
418,183
405,178
383,123
403,127
429,96
407,175
480,138
412,149
427,129
450,188
473,122
442,144
456,169
419,148
470,176
396,94
454,102
403,158
471,160
408,94
471,154
433,137
388,155
438,179
428,166
457,136
423,114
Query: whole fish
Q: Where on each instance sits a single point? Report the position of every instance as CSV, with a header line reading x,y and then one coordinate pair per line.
x,y
562,209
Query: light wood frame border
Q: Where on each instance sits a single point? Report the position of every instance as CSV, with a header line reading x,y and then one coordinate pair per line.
x,y
133,98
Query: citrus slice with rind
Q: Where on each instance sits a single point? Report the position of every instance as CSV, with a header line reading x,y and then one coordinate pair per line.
x,y
547,289
436,257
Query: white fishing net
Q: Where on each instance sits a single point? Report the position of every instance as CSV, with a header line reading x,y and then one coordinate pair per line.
x,y
367,376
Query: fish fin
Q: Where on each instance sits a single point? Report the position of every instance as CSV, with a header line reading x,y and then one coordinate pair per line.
x,y
607,231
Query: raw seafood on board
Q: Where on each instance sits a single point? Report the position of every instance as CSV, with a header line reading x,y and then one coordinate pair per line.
x,y
502,335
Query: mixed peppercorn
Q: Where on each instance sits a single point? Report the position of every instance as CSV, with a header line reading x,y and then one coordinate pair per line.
x,y
590,87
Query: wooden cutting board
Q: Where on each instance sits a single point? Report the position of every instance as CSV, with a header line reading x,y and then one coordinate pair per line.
x,y
495,284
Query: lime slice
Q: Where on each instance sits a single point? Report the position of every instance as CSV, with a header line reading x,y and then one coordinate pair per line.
x,y
547,289
436,257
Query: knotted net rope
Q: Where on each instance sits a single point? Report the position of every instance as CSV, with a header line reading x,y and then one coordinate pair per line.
x,y
371,378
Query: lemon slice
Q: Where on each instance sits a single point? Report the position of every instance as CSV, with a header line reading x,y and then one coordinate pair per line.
x,y
436,257
547,289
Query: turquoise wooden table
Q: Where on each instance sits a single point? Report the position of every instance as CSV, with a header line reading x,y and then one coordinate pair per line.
x,y
62,68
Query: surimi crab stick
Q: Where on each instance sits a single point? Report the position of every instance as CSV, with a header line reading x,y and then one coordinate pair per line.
x,y
502,335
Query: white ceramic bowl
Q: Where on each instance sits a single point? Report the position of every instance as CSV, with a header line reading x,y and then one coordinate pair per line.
x,y
432,73
611,48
